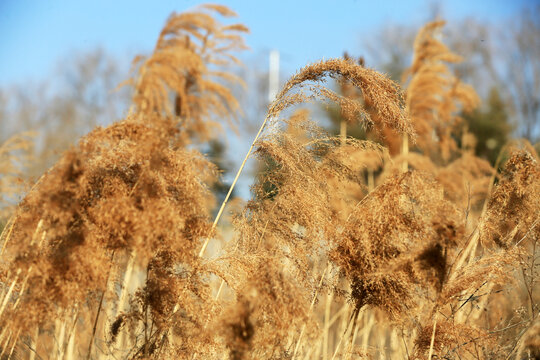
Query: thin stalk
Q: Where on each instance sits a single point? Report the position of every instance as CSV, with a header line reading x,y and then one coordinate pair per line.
x,y
122,303
36,233
405,345
218,216
343,131
310,351
2,334
478,308
60,342
529,292
11,224
94,328
468,250
327,313
224,203
70,335
432,342
71,346
21,292
405,152
14,343
4,346
309,311
146,331
367,330
531,281
6,298
336,316
346,333
220,289
33,342
356,328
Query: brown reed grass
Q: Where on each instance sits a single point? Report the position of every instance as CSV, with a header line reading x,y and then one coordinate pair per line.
x,y
106,256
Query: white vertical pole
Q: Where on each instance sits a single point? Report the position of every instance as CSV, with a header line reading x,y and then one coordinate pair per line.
x,y
273,75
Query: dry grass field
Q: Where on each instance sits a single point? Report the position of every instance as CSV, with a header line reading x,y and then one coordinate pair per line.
x,y
404,245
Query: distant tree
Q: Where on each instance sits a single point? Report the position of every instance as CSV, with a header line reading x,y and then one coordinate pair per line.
x,y
505,56
391,50
497,56
490,126
62,108
216,153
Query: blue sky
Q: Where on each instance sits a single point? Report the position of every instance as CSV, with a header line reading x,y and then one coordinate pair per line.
x,y
37,34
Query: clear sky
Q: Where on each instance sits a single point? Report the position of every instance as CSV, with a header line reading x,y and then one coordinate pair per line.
x,y
36,34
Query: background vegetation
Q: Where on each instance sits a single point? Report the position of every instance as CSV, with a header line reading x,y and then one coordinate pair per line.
x,y
390,216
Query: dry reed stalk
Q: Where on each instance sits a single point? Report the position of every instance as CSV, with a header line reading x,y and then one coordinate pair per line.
x,y
366,332
4,331
309,352
14,344
23,285
70,350
8,294
311,305
343,131
100,305
353,339
432,341
60,331
9,230
6,344
471,245
347,333
348,352
70,335
326,323
231,188
405,152
122,305
33,346
340,314
466,253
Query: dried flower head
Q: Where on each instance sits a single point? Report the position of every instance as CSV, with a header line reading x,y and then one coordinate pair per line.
x,y
187,64
514,207
396,245
434,95
382,93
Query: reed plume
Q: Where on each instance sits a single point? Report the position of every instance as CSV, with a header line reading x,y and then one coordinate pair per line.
x,y
306,167
189,63
514,207
131,190
434,95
